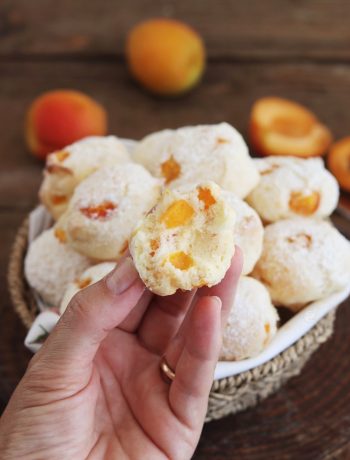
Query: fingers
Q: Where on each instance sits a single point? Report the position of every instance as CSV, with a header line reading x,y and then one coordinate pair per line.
x,y
134,318
163,319
194,371
91,314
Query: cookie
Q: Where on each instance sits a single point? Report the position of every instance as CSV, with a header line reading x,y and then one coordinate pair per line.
x,y
88,277
66,168
293,187
248,233
303,260
194,154
186,241
251,324
51,264
105,208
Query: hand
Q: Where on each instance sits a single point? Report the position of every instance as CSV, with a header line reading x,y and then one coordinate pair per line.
x,y
95,390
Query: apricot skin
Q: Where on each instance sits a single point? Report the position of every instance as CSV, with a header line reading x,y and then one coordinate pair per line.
x,y
339,162
166,56
59,118
283,127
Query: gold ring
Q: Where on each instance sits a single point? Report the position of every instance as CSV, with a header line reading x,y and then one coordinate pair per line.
x,y
167,372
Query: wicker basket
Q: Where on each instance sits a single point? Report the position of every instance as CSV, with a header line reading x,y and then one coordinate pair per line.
x,y
229,395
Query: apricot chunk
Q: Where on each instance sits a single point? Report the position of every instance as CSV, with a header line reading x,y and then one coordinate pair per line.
x,y
181,260
283,127
166,56
339,162
170,170
59,118
58,199
178,213
60,235
304,204
204,195
100,211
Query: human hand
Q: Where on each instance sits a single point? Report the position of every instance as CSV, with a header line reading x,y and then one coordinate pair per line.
x,y
95,390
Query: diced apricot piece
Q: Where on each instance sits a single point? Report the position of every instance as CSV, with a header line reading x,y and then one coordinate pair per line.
x,y
166,56
59,118
60,235
181,260
222,140
62,155
58,199
154,246
178,213
83,283
170,170
204,195
339,162
100,211
283,127
267,328
304,204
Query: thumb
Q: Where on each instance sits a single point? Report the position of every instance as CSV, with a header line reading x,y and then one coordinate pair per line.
x,y
89,317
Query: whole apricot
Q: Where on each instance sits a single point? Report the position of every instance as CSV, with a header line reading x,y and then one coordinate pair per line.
x,y
59,118
283,127
166,56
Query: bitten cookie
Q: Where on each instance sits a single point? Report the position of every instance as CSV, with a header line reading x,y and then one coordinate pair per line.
x,y
292,187
88,277
51,264
186,241
303,260
248,233
106,207
67,168
251,324
194,154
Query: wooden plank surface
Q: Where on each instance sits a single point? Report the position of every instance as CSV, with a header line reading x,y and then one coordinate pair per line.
x,y
226,93
250,29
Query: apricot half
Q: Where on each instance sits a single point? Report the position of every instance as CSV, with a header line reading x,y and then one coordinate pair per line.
x,y
59,118
165,56
283,127
339,162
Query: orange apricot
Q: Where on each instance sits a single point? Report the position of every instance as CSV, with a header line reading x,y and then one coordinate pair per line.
x,y
339,162
166,56
170,169
181,260
59,118
100,211
283,127
204,195
304,204
179,213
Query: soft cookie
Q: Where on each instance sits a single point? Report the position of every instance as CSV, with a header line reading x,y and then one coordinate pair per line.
x,y
51,264
88,277
105,208
303,260
252,321
66,168
194,154
292,187
186,241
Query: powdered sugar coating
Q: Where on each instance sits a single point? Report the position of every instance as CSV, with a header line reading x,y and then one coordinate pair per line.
x,y
281,176
50,265
303,260
252,322
205,152
67,168
205,239
130,189
248,233
88,277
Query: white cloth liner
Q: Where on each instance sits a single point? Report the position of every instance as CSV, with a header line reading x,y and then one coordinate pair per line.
x,y
286,336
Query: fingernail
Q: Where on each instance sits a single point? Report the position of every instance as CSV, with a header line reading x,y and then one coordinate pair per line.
x,y
218,300
122,277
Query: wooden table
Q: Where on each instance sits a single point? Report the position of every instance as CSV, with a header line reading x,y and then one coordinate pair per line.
x,y
298,49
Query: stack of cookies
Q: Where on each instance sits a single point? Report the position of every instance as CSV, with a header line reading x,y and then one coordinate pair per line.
x,y
180,202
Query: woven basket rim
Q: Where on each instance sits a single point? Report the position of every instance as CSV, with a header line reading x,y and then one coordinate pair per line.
x,y
25,308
